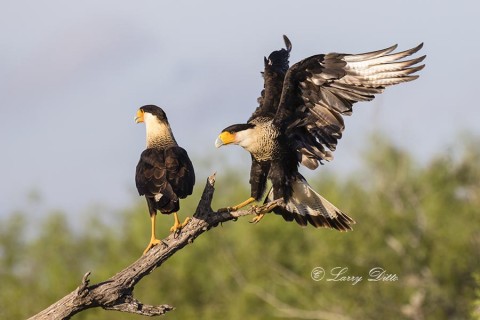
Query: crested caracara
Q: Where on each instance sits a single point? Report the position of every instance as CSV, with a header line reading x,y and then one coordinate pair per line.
x,y
164,173
300,119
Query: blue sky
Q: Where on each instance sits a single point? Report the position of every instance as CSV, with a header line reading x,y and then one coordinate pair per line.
x,y
73,75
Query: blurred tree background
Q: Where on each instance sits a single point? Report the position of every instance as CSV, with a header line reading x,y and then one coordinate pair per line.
x,y
419,222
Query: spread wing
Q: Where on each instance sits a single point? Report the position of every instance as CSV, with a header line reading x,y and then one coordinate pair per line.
x,y
320,90
276,66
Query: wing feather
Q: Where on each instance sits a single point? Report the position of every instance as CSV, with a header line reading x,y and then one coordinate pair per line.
x,y
370,55
164,176
150,177
318,91
180,172
151,181
275,68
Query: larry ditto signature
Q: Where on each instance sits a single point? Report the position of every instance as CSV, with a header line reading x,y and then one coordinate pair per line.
x,y
341,274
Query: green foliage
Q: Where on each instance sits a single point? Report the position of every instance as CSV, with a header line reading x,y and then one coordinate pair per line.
x,y
476,303
419,223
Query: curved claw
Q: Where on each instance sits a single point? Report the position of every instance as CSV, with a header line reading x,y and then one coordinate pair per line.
x,y
153,243
257,218
177,226
262,210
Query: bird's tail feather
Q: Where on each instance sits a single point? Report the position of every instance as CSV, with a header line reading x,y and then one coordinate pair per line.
x,y
305,205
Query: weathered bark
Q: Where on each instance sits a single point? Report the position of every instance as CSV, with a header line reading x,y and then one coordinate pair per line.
x,y
116,293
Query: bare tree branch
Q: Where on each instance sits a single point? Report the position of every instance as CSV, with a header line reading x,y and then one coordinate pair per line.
x,y
116,293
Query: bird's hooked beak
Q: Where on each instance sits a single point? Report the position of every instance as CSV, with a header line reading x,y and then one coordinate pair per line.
x,y
224,138
139,116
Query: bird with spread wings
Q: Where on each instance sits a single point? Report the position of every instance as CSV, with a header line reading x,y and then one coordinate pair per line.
x,y
299,120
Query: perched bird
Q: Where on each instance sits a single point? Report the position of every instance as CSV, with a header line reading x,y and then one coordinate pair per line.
x,y
300,119
164,173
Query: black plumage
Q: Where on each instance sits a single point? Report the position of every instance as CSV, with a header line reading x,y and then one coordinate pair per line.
x,y
164,173
299,120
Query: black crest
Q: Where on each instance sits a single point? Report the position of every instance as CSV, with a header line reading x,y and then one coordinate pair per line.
x,y
156,111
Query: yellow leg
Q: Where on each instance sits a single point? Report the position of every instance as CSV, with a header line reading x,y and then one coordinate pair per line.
x,y
153,240
177,225
238,206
